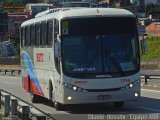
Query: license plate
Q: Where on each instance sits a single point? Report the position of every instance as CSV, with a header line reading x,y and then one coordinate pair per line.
x,y
104,97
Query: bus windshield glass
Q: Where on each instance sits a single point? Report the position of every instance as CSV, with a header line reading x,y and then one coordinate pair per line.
x,y
100,46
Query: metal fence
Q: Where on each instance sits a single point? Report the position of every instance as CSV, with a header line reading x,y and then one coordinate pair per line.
x,y
9,61
15,108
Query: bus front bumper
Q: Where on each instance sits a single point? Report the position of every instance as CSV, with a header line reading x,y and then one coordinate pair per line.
x,y
75,97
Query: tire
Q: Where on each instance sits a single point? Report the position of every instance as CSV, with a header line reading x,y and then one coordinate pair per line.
x,y
50,91
118,104
34,98
58,106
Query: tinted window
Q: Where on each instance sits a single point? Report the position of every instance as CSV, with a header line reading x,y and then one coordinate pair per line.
x,y
44,33
38,34
32,34
49,32
92,26
28,40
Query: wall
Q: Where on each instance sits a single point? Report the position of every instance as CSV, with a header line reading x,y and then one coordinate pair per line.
x,y
150,64
9,61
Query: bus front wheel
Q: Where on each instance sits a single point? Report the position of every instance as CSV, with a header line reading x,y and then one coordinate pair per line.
x,y
118,104
58,106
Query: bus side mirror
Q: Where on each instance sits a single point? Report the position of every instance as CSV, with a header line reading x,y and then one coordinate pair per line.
x,y
144,46
57,49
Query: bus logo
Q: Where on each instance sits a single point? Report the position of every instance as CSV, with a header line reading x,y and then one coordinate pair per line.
x,y
39,57
103,76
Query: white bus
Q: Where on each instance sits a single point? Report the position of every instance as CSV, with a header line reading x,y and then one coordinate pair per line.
x,y
81,56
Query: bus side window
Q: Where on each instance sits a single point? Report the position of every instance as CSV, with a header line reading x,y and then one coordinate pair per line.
x,y
56,31
23,36
37,34
28,40
49,32
44,33
32,27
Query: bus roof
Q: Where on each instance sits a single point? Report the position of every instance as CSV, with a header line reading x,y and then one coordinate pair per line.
x,y
80,12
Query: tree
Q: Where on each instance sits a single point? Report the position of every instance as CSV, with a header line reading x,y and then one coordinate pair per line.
x,y
152,9
11,3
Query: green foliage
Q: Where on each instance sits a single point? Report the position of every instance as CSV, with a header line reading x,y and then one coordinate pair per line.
x,y
153,47
153,9
40,1
11,3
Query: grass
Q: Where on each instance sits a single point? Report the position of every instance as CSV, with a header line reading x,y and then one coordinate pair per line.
x,y
1,113
153,48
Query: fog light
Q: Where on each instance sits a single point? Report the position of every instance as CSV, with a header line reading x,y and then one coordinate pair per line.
x,y
136,94
69,98
74,88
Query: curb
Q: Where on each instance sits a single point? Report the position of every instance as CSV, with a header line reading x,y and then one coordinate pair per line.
x,y
149,85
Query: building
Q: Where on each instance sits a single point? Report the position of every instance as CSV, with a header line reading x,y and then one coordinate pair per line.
x,y
135,2
141,6
37,7
28,1
50,1
108,1
6,49
15,20
153,29
152,2
121,3
3,24
142,2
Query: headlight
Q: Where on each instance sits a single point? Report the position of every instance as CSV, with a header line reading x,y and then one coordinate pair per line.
x,y
73,87
136,94
131,85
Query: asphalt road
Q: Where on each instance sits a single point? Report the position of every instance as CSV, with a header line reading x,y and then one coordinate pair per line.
x,y
148,107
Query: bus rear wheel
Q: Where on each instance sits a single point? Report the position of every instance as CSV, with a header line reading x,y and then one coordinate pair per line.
x,y
118,104
34,98
58,106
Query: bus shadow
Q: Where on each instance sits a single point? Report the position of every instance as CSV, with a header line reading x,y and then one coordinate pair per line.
x,y
129,108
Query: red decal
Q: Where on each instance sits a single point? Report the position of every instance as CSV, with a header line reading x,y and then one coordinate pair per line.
x,y
26,85
29,86
39,57
35,89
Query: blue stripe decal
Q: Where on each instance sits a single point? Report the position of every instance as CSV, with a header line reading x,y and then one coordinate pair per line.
x,y
29,66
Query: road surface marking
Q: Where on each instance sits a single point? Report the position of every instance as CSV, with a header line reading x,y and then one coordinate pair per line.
x,y
10,83
9,77
151,109
150,90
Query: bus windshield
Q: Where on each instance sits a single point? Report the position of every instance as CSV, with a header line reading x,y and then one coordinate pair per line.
x,y
100,46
